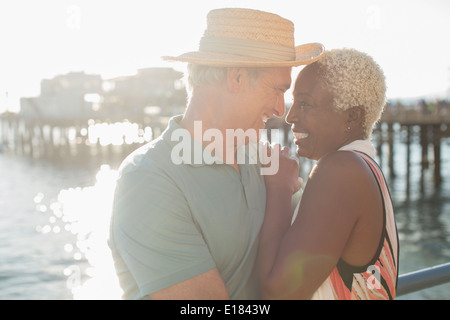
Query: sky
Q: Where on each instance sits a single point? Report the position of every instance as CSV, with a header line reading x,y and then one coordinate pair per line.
x,y
45,38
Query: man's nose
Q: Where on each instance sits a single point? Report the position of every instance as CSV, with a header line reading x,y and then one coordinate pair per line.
x,y
280,108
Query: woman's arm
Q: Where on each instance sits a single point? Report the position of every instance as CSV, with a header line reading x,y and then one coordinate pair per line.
x,y
295,260
279,188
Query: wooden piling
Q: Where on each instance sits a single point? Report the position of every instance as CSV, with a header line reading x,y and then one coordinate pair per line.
x,y
424,145
391,150
408,159
378,133
437,154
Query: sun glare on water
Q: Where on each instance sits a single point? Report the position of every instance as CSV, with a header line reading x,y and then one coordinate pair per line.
x,y
85,213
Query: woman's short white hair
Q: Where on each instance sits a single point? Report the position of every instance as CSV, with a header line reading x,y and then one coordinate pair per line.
x,y
355,79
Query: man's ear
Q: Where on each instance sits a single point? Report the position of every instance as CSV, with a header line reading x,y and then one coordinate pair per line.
x,y
237,79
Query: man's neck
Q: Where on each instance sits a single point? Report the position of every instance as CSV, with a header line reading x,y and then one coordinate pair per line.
x,y
210,116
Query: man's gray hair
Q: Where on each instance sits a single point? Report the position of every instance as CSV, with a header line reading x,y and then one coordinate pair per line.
x,y
200,75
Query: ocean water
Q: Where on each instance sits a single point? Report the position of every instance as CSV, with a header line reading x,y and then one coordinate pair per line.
x,y
54,224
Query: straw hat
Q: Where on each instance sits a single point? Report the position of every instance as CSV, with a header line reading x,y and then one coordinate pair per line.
x,y
249,38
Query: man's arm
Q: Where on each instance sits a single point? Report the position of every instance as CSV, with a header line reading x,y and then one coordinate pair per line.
x,y
160,245
206,286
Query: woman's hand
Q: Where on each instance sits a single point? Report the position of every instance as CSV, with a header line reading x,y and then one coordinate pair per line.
x,y
286,178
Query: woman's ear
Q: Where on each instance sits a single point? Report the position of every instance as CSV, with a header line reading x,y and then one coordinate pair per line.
x,y
355,116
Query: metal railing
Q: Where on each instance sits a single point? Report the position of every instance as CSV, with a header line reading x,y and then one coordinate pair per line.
x,y
424,278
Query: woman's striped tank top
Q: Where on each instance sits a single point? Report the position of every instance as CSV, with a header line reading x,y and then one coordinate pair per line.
x,y
378,279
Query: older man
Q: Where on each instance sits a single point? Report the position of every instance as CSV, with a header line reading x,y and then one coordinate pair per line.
x,y
186,214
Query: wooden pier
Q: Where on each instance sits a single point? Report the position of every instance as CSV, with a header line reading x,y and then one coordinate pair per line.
x,y
429,128
62,140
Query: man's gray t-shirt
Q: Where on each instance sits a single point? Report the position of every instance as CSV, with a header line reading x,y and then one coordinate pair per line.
x,y
172,222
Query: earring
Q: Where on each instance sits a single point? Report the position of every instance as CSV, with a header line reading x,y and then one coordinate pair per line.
x,y
348,129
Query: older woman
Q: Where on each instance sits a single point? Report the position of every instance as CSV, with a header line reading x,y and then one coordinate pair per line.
x,y
341,241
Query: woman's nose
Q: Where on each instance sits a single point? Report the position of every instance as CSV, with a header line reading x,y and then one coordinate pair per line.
x,y
291,116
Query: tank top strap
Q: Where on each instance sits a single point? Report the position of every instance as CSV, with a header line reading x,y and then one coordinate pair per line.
x,y
391,226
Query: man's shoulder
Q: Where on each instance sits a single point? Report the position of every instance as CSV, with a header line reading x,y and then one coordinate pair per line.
x,y
147,174
149,157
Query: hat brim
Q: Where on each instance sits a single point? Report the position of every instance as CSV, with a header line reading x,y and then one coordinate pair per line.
x,y
305,54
